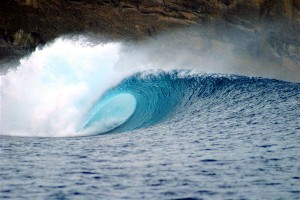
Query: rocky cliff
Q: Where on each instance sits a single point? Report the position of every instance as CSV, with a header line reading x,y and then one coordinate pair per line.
x,y
25,24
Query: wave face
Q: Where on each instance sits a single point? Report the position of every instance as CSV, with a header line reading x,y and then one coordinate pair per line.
x,y
177,97
86,92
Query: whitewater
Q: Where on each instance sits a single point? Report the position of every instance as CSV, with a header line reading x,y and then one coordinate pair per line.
x,y
83,119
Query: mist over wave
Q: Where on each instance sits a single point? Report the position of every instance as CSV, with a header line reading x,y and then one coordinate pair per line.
x,y
58,90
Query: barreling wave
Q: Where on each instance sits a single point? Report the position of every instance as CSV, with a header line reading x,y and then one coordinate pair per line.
x,y
73,88
166,96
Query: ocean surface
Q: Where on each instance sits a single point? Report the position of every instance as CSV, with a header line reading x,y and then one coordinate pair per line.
x,y
158,134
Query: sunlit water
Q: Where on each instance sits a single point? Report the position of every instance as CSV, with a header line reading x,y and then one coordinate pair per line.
x,y
167,134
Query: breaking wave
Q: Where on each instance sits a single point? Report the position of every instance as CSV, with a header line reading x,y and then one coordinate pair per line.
x,y
74,88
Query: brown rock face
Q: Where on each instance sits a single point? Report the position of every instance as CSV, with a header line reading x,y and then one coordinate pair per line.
x,y
25,24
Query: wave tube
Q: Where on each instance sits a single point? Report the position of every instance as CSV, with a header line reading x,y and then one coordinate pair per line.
x,y
157,96
110,113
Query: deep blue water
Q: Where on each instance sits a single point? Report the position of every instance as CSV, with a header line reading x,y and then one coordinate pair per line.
x,y
197,137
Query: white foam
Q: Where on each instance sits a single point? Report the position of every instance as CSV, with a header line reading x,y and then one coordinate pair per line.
x,y
52,90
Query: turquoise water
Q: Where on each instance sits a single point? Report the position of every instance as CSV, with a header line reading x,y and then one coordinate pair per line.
x,y
189,137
